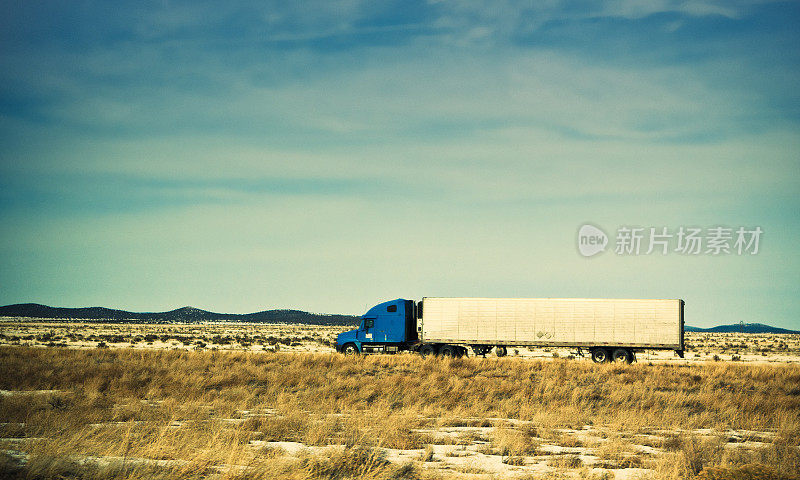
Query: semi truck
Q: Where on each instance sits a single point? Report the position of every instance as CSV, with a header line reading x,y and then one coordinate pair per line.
x,y
608,329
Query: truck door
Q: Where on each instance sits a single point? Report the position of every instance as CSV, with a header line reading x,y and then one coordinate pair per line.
x,y
366,331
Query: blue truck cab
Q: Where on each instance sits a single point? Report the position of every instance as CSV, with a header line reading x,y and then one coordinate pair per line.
x,y
387,327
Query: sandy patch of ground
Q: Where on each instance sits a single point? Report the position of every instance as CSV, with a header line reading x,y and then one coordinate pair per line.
x,y
590,459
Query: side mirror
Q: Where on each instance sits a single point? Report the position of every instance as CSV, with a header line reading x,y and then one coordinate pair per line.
x,y
369,323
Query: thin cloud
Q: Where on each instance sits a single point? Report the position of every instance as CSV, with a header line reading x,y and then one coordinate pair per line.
x,y
240,156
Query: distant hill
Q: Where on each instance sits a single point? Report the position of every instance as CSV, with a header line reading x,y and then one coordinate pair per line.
x,y
185,314
191,314
735,328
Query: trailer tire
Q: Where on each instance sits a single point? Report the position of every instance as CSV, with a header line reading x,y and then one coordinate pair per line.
x,y
500,351
600,355
427,350
481,350
350,349
622,355
448,351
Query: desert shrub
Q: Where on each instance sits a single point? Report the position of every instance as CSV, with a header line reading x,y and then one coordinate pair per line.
x,y
293,427
672,443
569,441
324,432
427,454
512,442
619,452
697,453
566,461
350,462
271,451
514,460
406,471
114,338
604,475
744,472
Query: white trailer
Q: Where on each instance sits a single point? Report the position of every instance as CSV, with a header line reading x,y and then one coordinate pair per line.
x,y
608,328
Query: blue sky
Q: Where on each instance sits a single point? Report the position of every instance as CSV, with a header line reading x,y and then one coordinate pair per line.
x,y
327,156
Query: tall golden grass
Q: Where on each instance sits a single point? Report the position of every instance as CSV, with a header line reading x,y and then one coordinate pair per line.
x,y
200,411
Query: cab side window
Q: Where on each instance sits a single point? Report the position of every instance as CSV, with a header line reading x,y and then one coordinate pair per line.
x,y
369,323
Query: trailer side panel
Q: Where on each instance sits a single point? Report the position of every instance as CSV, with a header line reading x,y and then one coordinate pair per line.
x,y
554,321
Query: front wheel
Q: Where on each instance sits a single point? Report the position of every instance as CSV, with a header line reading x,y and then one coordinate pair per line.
x,y
350,349
600,355
500,351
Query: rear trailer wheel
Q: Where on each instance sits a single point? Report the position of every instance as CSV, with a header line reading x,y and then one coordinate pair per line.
x,y
600,355
350,349
481,349
427,350
447,351
500,351
622,355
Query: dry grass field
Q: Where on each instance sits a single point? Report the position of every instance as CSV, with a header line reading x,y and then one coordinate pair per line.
x,y
285,406
237,408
